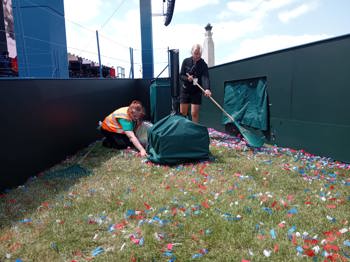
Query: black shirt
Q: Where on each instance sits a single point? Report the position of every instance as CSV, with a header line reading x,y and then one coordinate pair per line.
x,y
198,70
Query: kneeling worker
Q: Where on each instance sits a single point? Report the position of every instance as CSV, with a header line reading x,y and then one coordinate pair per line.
x,y
118,127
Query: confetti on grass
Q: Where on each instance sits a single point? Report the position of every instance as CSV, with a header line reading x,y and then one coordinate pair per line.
x,y
250,204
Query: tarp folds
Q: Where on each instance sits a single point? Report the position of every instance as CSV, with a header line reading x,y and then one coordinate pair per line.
x,y
246,101
175,139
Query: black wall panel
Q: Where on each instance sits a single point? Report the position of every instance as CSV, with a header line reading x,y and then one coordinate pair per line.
x,y
44,121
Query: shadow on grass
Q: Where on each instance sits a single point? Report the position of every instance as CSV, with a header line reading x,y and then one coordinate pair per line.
x,y
41,192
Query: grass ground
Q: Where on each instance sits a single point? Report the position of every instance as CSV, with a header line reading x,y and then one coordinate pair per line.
x,y
268,204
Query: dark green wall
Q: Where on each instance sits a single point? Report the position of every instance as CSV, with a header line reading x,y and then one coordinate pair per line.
x,y
44,121
309,92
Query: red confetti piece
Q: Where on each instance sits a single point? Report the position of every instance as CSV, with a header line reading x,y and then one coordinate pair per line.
x,y
290,198
205,204
282,225
311,241
309,253
331,206
275,248
329,247
148,207
202,187
174,211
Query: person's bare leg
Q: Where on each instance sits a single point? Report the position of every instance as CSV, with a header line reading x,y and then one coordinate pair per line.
x,y
184,109
195,113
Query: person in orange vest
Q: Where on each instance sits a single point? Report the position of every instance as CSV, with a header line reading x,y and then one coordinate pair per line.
x,y
118,127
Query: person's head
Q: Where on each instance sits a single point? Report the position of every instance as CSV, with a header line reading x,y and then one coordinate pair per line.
x,y
136,111
196,52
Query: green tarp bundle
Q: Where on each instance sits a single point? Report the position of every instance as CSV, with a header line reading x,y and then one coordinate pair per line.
x,y
246,101
175,139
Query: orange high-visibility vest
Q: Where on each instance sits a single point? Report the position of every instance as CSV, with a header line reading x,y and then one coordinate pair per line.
x,y
111,124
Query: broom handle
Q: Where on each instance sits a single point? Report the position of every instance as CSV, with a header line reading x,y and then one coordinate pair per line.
x,y
216,103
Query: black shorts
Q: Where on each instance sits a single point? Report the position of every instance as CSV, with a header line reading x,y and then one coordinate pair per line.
x,y
188,98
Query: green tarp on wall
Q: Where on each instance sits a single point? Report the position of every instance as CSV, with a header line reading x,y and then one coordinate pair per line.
x,y
175,139
246,101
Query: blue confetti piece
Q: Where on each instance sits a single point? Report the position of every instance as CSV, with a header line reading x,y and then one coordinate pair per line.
x,y
257,227
97,251
300,249
293,211
291,231
26,220
273,234
168,253
198,255
268,210
347,243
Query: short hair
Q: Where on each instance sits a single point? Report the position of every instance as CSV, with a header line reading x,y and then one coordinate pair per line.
x,y
136,109
195,47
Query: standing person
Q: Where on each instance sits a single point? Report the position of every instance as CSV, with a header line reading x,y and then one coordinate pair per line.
x,y
118,127
193,68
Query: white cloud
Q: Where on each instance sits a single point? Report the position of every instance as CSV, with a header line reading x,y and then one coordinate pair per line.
x,y
286,16
224,15
244,7
225,32
270,43
189,6
253,7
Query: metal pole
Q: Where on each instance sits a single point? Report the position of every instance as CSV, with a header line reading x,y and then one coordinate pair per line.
x,y
146,39
99,54
131,74
169,72
174,79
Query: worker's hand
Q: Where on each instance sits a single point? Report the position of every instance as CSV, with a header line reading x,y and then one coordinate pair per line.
x,y
142,153
189,77
207,93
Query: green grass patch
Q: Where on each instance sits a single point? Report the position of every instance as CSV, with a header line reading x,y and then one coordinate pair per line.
x,y
269,204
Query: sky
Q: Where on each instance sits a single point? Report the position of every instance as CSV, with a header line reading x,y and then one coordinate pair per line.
x,y
241,28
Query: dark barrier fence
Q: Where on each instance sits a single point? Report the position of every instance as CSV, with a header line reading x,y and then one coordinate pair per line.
x,y
44,121
308,89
